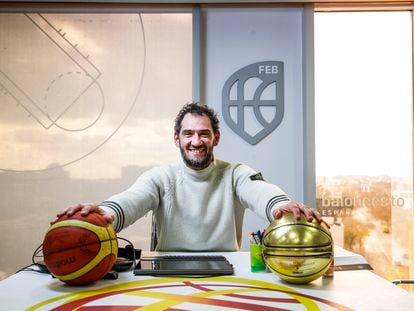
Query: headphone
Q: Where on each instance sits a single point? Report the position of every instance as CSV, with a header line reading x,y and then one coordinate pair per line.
x,y
127,258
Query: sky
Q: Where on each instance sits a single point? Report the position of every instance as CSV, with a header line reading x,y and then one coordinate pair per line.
x,y
363,94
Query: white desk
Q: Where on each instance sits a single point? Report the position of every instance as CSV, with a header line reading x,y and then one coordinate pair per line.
x,y
347,290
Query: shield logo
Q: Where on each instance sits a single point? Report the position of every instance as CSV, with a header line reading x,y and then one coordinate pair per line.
x,y
253,100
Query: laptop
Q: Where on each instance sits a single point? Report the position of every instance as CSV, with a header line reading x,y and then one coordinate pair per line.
x,y
184,265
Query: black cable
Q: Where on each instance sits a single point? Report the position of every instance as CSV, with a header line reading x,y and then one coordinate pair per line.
x,y
396,282
41,267
132,250
36,253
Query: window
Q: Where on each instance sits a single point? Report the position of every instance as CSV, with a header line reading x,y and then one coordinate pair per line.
x,y
363,107
82,114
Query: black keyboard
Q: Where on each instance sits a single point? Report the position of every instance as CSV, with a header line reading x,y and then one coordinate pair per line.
x,y
186,257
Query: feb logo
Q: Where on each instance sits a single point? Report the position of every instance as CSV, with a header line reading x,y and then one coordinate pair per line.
x,y
253,100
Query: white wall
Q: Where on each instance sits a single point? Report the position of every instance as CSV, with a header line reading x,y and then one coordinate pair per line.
x,y
235,38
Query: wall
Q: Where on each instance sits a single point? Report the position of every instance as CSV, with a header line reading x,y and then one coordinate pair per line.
x,y
235,38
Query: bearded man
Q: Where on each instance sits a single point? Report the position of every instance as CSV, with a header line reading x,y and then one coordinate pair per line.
x,y
199,203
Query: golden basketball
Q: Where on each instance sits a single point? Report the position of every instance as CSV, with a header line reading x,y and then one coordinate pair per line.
x,y
297,251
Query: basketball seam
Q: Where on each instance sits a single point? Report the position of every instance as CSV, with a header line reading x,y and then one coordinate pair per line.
x,y
300,255
113,248
85,269
77,246
300,246
85,274
297,246
303,276
322,229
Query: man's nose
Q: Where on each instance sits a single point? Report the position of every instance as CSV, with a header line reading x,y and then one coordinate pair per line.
x,y
196,141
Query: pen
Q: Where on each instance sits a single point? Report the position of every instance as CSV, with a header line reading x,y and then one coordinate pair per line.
x,y
251,238
256,238
259,236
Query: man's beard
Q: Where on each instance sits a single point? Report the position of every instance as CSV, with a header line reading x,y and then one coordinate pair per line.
x,y
197,164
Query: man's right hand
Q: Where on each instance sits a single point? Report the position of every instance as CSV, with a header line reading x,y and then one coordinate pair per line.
x,y
85,209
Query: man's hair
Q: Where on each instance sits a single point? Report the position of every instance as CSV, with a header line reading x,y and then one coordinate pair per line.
x,y
200,109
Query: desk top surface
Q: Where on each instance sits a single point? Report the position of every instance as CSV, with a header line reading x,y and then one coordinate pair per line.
x,y
347,290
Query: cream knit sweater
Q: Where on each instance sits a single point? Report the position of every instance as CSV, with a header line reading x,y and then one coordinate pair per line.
x,y
196,210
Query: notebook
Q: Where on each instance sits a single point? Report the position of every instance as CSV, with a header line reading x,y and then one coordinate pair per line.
x,y
182,265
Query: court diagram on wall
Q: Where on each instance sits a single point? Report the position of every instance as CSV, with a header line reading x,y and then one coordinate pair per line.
x,y
67,83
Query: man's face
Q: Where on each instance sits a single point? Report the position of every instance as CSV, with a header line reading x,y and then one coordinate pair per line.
x,y
196,141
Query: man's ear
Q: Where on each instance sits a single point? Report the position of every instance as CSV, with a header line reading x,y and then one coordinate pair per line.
x,y
176,140
216,138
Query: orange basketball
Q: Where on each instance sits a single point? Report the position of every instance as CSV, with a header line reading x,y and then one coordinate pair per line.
x,y
80,250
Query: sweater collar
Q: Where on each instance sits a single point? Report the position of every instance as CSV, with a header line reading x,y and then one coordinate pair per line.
x,y
200,174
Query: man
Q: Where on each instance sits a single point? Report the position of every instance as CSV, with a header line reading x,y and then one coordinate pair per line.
x,y
198,204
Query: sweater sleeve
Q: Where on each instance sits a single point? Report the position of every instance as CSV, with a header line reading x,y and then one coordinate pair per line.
x,y
261,197
133,203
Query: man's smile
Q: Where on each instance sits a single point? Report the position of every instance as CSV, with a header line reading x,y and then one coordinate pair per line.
x,y
197,151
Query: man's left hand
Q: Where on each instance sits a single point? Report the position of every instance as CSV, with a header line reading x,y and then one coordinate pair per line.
x,y
297,210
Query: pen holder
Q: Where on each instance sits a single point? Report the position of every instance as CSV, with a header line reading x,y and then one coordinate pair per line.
x,y
256,258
